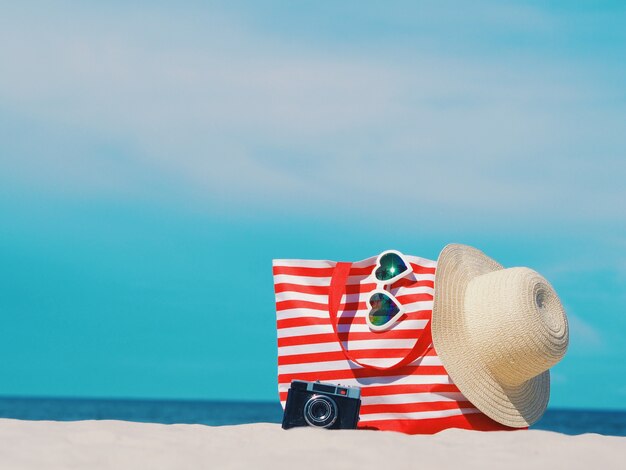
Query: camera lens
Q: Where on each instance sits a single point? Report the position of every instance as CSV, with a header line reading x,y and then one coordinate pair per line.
x,y
320,411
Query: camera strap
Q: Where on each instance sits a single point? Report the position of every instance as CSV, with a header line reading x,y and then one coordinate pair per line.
x,y
337,289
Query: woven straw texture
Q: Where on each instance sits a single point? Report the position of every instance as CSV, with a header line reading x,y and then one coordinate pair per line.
x,y
497,332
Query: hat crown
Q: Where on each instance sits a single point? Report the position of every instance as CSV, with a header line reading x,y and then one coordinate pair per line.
x,y
516,322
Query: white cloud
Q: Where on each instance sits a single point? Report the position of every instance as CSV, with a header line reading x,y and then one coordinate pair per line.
x,y
584,336
229,114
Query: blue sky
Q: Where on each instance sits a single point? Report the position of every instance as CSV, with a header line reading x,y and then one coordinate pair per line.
x,y
148,151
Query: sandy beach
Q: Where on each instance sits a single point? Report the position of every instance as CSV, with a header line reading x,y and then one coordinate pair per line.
x,y
126,445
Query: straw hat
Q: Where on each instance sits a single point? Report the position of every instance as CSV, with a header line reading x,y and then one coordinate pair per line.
x,y
497,332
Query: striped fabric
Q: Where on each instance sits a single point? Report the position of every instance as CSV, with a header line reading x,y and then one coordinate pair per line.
x,y
418,398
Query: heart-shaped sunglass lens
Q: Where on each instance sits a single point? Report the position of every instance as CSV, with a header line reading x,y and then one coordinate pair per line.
x,y
383,309
390,266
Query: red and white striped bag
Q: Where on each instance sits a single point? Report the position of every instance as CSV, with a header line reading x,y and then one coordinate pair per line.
x,y
322,335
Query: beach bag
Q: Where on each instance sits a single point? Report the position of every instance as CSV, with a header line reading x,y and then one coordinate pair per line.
x,y
321,309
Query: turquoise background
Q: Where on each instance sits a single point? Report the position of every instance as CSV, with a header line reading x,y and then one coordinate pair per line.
x,y
155,158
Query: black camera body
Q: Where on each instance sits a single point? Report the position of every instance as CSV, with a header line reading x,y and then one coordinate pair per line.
x,y
322,405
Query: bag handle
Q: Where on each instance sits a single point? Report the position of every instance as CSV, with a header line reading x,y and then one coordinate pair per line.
x,y
337,289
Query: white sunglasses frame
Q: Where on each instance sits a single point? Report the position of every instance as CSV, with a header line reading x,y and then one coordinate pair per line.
x,y
380,289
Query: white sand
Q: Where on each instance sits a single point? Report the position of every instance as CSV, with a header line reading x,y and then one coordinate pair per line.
x,y
123,445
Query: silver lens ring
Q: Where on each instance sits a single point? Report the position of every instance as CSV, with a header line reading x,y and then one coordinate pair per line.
x,y
320,411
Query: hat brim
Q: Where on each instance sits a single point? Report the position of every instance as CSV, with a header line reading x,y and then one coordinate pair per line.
x,y
518,406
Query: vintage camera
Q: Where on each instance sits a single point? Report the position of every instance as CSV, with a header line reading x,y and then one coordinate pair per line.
x,y
322,405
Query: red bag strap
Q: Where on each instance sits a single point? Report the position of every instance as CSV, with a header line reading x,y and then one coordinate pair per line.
x,y
337,289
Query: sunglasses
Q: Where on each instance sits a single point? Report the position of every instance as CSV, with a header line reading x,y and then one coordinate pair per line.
x,y
384,308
